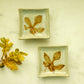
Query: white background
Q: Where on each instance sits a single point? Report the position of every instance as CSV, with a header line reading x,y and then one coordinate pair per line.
x,y
66,28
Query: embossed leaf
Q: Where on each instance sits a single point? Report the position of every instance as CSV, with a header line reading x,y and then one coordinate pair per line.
x,y
25,27
56,56
46,64
47,58
27,20
39,30
59,67
51,67
32,30
38,19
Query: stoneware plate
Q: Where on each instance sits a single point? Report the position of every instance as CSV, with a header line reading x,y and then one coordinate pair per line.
x,y
53,61
34,24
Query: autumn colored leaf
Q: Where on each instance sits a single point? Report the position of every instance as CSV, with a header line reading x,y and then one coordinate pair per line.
x,y
47,58
32,30
27,20
25,27
59,67
39,30
56,56
38,19
45,64
51,67
50,64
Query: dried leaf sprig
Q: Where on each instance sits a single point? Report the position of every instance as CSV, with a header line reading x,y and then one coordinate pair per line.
x,y
33,30
50,64
12,59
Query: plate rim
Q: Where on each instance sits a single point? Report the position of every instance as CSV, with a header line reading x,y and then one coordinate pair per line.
x,y
53,75
44,37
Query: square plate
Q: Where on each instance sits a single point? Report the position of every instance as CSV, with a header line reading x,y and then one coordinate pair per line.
x,y
53,61
34,24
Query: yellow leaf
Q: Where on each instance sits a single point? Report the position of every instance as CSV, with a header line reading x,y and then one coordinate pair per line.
x,y
18,62
1,45
3,39
17,51
10,64
38,19
11,53
7,40
7,49
15,58
21,58
22,53
10,44
27,20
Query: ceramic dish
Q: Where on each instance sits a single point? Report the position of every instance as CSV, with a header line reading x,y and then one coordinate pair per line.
x,y
34,24
53,61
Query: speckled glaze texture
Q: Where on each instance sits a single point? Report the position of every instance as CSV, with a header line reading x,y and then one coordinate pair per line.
x,y
63,60
31,14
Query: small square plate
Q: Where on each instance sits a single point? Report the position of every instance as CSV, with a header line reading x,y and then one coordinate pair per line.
x,y
53,61
34,24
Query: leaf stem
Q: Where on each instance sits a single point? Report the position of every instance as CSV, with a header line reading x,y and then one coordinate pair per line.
x,y
1,58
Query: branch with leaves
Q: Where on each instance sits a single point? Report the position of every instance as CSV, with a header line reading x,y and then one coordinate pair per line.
x,y
50,64
33,30
12,59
